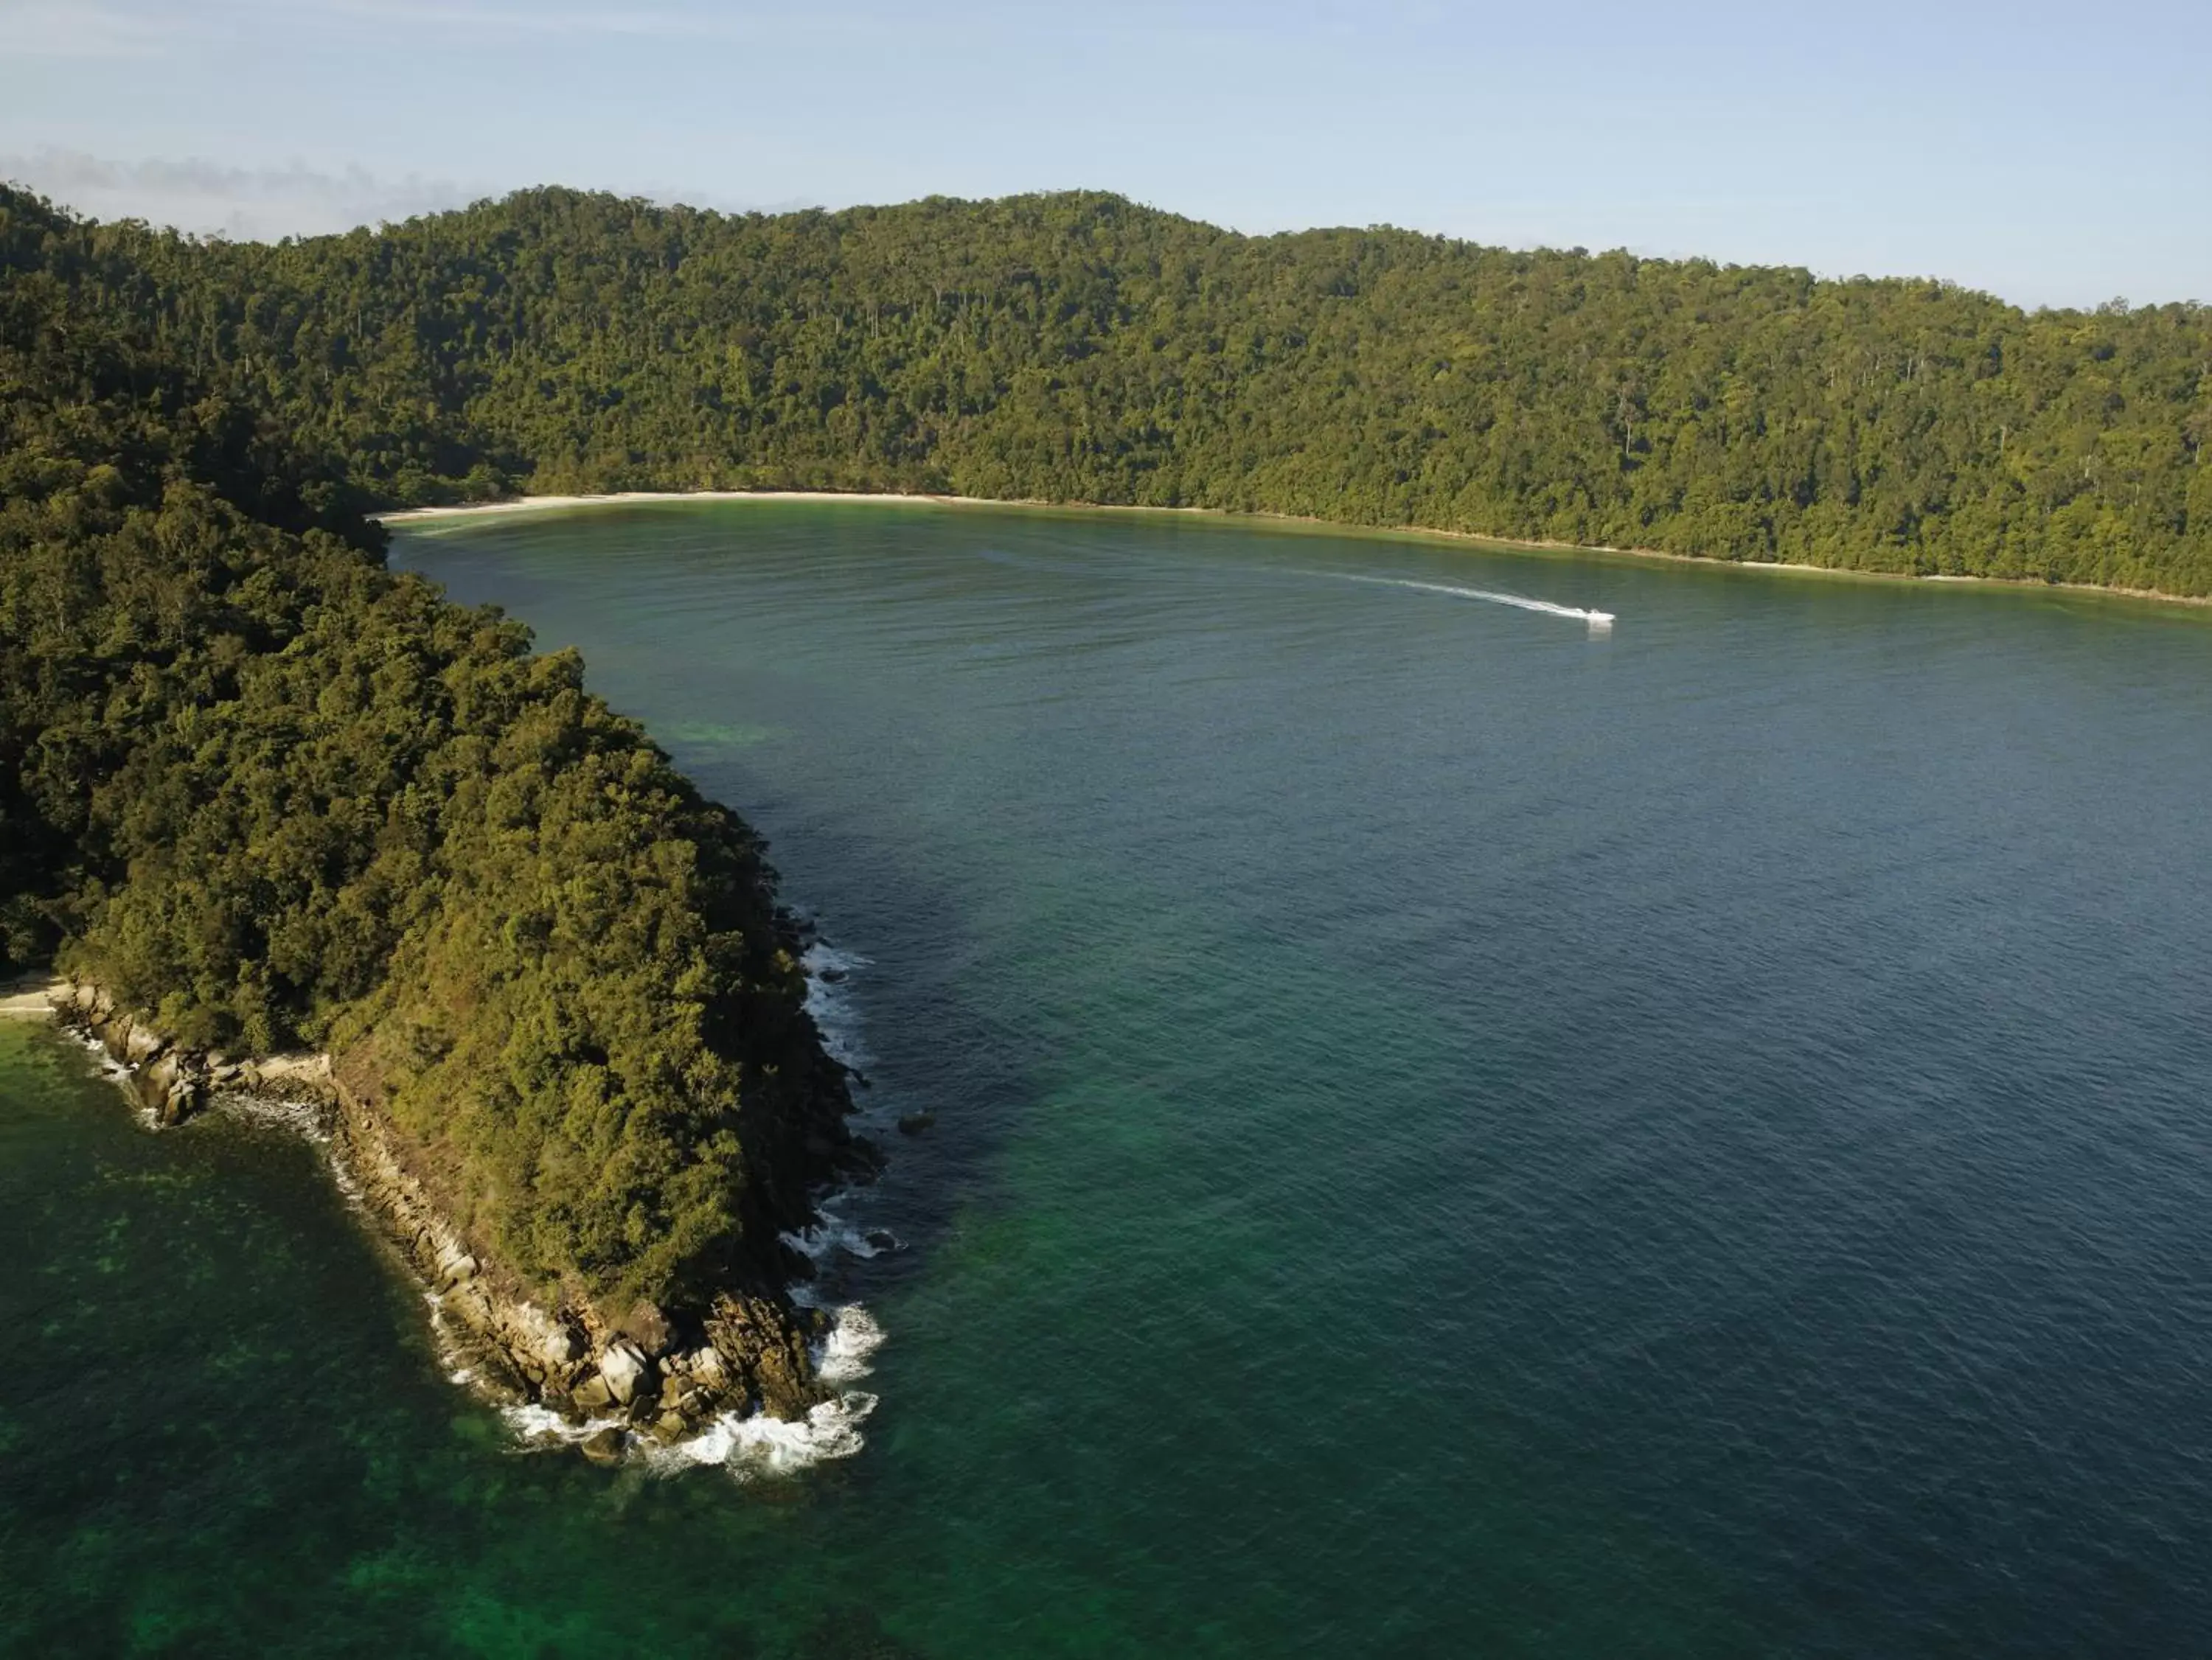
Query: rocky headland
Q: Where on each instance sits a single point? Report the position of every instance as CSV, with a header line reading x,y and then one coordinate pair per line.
x,y
650,1375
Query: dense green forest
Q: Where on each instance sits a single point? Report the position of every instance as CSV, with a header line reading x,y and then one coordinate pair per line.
x,y
260,787
1079,347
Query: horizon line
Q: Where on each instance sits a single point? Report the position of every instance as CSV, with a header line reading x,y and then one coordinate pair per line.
x,y
2117,304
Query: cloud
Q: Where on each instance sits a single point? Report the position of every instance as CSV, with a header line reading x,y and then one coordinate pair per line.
x,y
514,22
244,203
144,28
68,28
261,204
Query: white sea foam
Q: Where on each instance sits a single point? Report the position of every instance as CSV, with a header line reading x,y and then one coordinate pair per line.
x,y
831,1235
1600,621
749,1445
749,1448
306,1119
848,1354
541,1425
116,1072
757,1445
829,1003
110,1068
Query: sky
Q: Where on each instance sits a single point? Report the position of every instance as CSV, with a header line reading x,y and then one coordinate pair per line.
x,y
2054,155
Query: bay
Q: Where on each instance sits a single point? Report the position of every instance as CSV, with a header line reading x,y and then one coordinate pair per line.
x,y
1456,1133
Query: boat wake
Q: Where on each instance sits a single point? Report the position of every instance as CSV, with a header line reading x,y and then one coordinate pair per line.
x,y
1600,621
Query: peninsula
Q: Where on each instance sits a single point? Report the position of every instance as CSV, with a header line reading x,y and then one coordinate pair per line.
x,y
259,795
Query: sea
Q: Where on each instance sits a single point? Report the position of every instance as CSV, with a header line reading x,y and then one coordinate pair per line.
x,y
1480,1102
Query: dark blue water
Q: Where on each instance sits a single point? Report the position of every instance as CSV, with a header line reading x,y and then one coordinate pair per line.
x,y
1456,1135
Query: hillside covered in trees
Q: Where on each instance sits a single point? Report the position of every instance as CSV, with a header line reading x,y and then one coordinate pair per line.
x,y
268,793
1079,347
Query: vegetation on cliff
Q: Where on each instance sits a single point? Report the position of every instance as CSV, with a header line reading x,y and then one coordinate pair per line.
x,y
1079,347
268,792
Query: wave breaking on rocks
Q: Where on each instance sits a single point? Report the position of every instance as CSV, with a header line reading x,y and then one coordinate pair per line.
x,y
757,1381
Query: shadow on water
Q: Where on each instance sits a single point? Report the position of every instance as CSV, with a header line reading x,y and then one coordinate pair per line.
x,y
224,1430
922,1044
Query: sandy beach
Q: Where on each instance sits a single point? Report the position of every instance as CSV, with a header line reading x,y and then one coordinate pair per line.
x,y
529,504
29,999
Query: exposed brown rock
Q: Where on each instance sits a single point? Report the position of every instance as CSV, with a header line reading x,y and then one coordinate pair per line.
x,y
648,1327
755,1348
605,1446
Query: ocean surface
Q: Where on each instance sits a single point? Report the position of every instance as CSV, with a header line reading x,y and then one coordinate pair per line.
x,y
1458,1133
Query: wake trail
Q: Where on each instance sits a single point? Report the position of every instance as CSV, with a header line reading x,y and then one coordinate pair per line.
x,y
1599,621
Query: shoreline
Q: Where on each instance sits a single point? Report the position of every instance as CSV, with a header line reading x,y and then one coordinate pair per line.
x,y
32,998
547,503
756,1386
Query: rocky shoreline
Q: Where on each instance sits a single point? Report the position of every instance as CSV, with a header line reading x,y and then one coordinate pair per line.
x,y
655,1377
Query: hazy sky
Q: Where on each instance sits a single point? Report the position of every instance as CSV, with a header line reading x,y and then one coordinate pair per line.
x,y
2057,154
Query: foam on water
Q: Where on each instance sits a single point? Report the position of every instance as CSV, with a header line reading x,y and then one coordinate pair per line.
x,y
753,1447
541,1425
754,1444
830,1234
846,1354
311,1120
828,1001
1600,621
749,1445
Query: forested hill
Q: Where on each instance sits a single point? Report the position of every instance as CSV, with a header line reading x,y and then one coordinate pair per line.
x,y
267,792
1079,347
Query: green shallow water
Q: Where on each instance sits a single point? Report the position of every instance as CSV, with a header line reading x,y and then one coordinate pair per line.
x,y
1455,1135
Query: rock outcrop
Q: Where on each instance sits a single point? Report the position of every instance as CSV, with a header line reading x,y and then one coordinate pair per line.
x,y
665,1372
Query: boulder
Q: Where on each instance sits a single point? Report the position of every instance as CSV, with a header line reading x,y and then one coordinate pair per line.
x,y
169,1088
527,1328
593,1394
141,1043
761,1346
623,1369
181,1100
648,1327
913,1123
605,1446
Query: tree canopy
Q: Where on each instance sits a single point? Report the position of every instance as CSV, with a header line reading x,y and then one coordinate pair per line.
x,y
1079,347
270,792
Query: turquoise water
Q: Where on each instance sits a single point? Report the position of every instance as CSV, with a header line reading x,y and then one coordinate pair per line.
x,y
1455,1135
